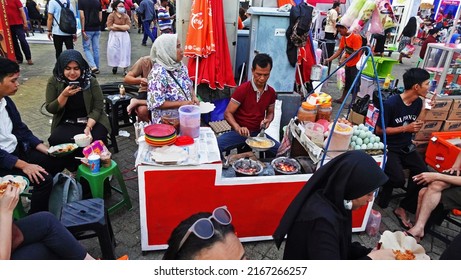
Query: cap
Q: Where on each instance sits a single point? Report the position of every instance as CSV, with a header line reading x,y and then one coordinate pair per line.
x,y
339,24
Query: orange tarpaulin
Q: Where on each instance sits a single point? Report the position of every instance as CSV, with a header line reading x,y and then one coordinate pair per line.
x,y
216,68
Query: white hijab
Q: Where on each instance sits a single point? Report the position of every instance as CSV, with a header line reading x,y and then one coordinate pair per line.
x,y
163,51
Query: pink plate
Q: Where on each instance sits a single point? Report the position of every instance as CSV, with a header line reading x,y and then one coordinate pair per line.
x,y
159,130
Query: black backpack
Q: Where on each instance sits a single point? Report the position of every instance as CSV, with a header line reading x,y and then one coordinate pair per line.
x,y
67,22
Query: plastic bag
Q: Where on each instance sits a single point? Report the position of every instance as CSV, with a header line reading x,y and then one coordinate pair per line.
x,y
341,78
376,26
363,16
361,105
352,12
408,50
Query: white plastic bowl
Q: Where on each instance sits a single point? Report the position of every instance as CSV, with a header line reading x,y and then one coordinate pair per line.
x,y
82,140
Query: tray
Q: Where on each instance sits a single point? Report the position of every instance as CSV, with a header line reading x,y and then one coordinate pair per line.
x,y
62,149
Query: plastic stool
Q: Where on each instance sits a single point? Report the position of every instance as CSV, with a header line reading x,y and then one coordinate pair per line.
x,y
87,219
96,182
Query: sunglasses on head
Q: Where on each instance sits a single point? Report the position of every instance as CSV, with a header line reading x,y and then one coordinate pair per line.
x,y
203,228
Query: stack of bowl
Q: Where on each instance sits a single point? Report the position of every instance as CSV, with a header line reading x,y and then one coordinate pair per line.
x,y
158,135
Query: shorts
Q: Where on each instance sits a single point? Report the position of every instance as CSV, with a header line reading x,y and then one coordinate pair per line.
x,y
351,73
142,96
451,198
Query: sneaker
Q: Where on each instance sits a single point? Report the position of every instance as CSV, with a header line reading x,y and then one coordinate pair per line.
x,y
114,70
143,44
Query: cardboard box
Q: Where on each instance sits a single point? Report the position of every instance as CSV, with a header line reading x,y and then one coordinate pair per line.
x,y
432,125
456,105
454,115
356,118
442,105
436,115
451,125
424,135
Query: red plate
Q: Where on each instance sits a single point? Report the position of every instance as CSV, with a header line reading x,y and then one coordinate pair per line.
x,y
159,130
154,139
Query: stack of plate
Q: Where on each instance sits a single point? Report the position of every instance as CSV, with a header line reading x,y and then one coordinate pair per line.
x,y
158,135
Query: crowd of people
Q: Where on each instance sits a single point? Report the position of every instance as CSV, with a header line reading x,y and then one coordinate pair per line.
x,y
318,222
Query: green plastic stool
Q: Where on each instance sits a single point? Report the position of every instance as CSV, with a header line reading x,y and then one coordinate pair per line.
x,y
19,211
96,182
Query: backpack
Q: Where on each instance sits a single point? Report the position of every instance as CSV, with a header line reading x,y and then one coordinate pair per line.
x,y
67,22
65,189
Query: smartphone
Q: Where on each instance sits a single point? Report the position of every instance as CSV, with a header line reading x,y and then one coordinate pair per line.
x,y
74,84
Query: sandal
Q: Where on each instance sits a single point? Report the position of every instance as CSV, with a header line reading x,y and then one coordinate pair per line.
x,y
406,226
417,238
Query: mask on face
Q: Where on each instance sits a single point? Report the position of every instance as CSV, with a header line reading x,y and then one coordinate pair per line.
x,y
121,10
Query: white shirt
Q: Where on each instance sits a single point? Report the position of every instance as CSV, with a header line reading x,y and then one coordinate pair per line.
x,y
332,17
8,141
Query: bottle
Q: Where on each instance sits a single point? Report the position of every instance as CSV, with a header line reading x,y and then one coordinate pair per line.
x,y
374,222
324,111
387,81
307,112
121,90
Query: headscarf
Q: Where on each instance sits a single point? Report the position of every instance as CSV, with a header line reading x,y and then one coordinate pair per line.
x,y
64,59
163,52
348,176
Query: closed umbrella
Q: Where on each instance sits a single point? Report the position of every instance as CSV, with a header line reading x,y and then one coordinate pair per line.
x,y
216,68
200,41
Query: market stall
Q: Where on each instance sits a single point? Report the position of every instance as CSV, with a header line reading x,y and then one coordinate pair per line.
x,y
170,193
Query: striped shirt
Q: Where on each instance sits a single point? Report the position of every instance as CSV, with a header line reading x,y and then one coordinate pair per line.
x,y
164,21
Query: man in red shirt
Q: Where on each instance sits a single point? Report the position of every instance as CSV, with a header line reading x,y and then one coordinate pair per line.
x,y
251,107
350,43
431,38
18,25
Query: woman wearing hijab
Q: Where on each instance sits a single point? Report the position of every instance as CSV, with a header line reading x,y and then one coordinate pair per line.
x,y
78,108
169,84
119,43
409,31
318,221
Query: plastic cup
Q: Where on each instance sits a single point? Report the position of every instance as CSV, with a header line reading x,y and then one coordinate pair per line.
x,y
189,120
95,163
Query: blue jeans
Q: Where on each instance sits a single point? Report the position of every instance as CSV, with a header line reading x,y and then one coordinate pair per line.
x,y
45,238
92,56
147,31
232,139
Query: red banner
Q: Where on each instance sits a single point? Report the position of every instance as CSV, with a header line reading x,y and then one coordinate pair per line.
x,y
6,43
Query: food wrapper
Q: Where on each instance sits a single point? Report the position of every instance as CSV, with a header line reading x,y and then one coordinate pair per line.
x,y
398,241
97,147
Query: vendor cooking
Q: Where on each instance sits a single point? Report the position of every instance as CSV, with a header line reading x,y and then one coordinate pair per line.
x,y
251,107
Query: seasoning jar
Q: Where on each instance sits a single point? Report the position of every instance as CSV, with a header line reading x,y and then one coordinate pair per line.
x,y
307,112
324,111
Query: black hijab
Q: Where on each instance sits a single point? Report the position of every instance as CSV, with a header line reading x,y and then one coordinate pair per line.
x,y
348,176
410,29
64,59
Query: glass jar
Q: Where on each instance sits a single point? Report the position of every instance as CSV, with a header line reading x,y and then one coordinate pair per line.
x,y
307,112
324,111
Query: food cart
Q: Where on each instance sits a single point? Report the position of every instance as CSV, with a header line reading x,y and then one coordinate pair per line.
x,y
169,194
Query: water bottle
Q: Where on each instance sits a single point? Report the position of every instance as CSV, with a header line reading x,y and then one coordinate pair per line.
x,y
374,222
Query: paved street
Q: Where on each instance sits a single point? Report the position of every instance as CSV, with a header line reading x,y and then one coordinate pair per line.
x,y
125,223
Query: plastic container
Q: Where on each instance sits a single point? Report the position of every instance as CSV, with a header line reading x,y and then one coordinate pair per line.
x,y
315,132
324,111
374,222
170,117
340,139
307,112
316,72
189,120
387,82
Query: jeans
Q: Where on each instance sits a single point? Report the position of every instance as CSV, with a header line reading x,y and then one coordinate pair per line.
x,y
45,238
147,31
18,34
232,139
92,55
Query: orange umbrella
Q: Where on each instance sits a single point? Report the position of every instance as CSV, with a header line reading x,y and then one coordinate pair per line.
x,y
200,40
216,68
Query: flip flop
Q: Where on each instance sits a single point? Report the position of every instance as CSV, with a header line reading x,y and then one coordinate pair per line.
x,y
400,220
417,238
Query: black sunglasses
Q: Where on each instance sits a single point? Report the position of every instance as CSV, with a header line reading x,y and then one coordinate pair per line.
x,y
203,228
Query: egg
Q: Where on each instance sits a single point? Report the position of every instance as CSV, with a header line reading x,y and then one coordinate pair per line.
x,y
361,126
354,137
369,146
381,145
364,146
366,141
375,146
359,141
372,139
363,134
357,147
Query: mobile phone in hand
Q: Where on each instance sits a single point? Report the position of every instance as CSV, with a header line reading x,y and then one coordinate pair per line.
x,y
74,84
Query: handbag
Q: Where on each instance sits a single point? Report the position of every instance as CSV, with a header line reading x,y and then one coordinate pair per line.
x,y
65,189
361,105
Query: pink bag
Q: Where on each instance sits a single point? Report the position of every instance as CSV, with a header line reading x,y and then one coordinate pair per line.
x,y
408,50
